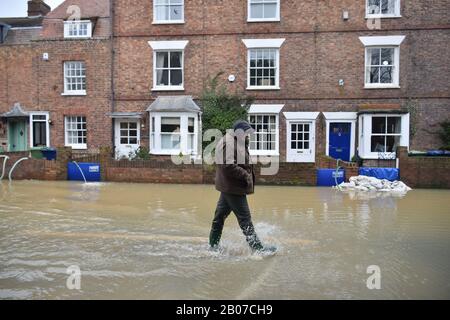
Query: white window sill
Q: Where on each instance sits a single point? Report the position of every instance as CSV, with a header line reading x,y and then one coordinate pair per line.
x,y
80,93
168,88
168,22
380,86
264,20
264,153
379,156
263,88
77,147
169,153
382,16
78,37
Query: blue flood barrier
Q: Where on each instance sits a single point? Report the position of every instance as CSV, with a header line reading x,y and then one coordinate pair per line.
x,y
91,171
391,174
326,177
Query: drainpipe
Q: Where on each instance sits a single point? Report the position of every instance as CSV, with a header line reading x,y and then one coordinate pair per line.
x,y
113,96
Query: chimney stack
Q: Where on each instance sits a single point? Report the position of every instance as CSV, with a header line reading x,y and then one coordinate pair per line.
x,y
37,8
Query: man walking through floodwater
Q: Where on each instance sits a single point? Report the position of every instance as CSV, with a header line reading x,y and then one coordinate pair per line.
x,y
235,179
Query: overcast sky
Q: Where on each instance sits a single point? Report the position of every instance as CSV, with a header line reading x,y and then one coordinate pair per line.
x,y
18,8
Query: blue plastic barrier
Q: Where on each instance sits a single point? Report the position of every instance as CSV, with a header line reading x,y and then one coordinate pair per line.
x,y
90,170
391,174
49,153
326,177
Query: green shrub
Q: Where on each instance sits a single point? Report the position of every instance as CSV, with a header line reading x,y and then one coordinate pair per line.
x,y
142,153
444,134
221,108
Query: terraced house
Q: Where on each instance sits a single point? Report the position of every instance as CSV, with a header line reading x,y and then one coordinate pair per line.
x,y
55,77
338,78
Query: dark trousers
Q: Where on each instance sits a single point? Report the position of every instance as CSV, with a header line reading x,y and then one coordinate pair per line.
x,y
239,205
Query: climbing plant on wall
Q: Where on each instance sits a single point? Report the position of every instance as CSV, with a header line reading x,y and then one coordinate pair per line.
x,y
222,108
412,106
444,134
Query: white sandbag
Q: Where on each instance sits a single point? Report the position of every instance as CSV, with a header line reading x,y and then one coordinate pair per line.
x,y
364,183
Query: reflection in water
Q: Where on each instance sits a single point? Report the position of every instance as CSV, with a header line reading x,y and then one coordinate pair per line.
x,y
150,241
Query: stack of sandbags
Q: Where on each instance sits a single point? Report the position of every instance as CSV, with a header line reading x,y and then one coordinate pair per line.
x,y
364,183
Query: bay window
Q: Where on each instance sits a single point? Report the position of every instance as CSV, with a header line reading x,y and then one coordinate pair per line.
x,y
381,134
263,10
382,8
174,133
168,11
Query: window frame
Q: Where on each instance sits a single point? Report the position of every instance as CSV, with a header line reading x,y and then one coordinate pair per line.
x,y
161,46
47,127
386,133
155,21
74,92
277,70
370,42
249,12
264,44
266,152
396,74
74,146
169,87
78,23
155,133
365,135
396,14
267,110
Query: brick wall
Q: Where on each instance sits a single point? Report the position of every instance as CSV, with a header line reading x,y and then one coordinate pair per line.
x,y
164,171
36,169
424,172
38,85
320,49
417,172
351,168
153,171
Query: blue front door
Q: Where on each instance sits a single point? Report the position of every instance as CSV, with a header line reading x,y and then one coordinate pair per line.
x,y
340,138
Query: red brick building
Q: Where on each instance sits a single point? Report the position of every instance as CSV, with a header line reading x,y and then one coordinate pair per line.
x,y
329,77
59,72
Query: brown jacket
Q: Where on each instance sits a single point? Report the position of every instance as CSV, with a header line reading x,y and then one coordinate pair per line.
x,y
233,177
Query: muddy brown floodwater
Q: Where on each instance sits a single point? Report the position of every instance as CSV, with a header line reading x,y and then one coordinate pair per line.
x,y
149,241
